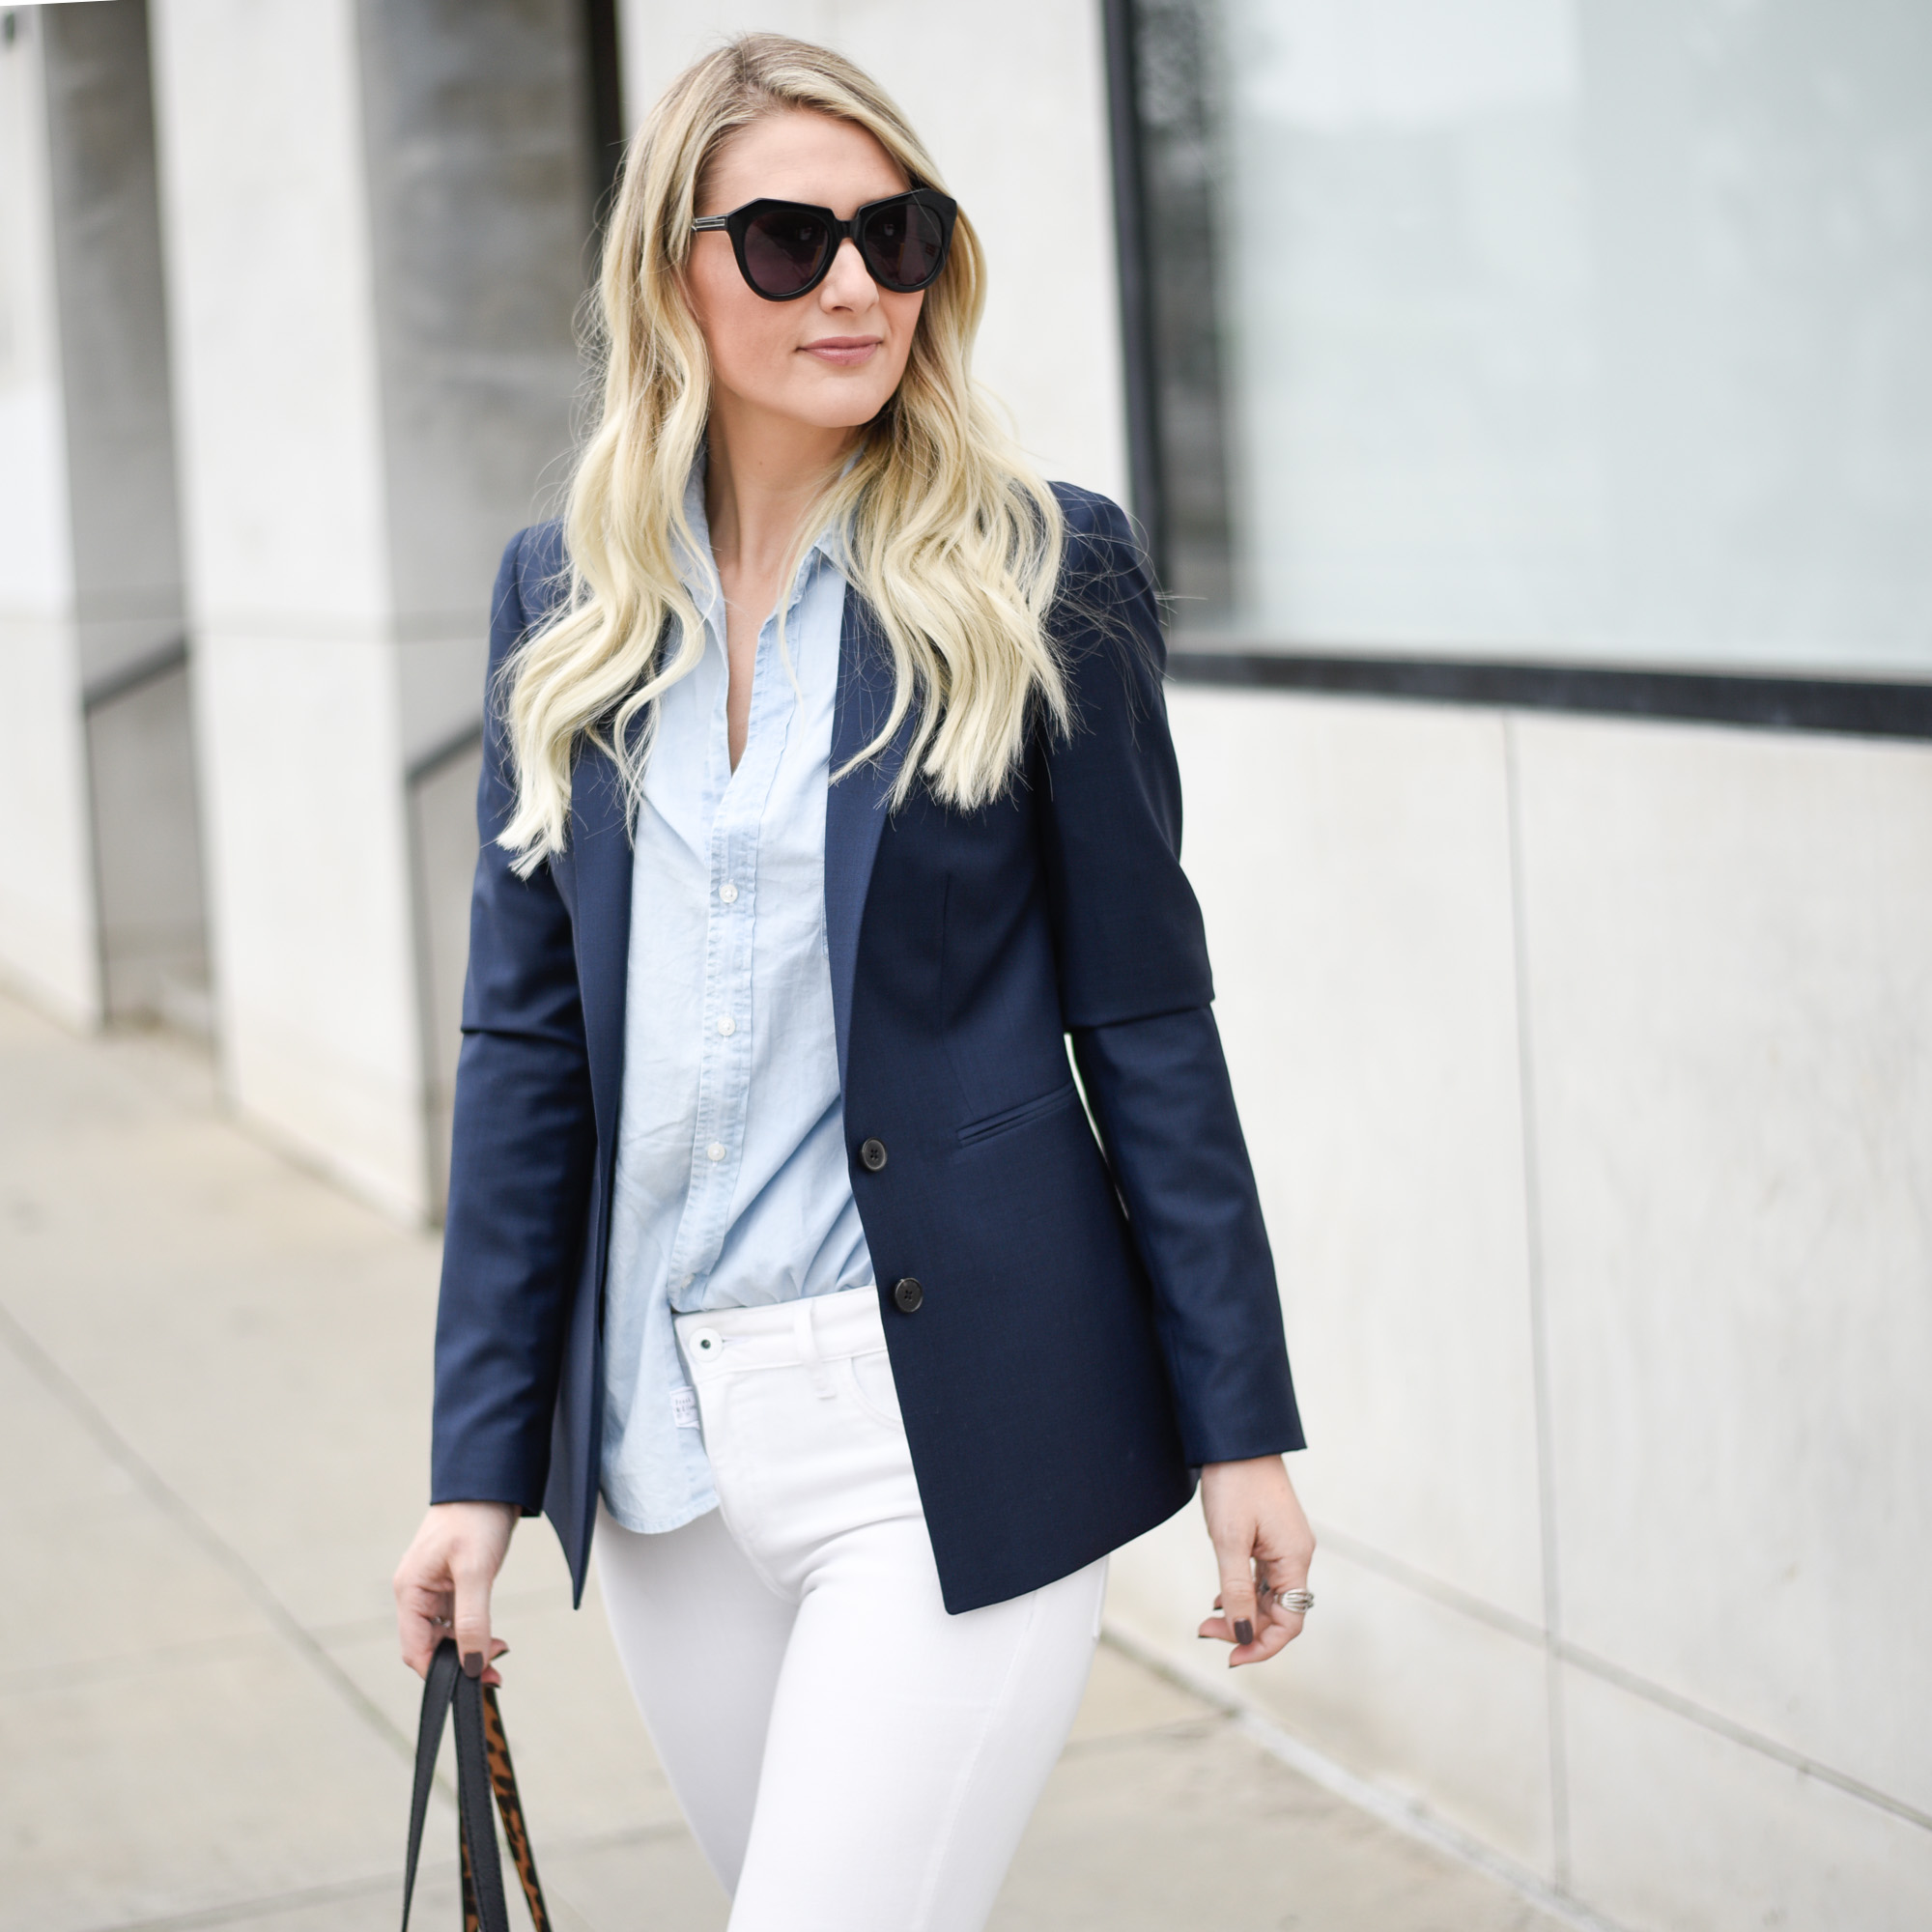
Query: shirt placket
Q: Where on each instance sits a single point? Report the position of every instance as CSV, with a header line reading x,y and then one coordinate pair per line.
x,y
725,1054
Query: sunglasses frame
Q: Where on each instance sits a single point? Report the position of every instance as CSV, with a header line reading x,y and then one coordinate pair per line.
x,y
737,224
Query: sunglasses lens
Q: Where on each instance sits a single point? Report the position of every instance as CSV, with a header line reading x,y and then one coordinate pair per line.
x,y
783,248
903,244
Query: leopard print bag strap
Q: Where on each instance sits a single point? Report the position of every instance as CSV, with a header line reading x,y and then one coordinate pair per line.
x,y
509,1802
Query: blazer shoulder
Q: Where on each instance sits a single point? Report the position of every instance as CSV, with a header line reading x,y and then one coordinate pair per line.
x,y
1107,604
1095,521
536,558
1104,564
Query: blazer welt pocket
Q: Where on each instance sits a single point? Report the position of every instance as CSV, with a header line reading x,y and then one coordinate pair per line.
x,y
975,1131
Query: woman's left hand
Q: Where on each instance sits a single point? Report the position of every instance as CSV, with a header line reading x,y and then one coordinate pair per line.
x,y
1264,1545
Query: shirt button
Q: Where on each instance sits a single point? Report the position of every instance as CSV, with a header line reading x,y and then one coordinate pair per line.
x,y
728,893
727,1025
715,1151
908,1294
873,1154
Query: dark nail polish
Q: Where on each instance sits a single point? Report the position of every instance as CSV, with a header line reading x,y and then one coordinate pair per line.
x,y
1245,1631
472,1664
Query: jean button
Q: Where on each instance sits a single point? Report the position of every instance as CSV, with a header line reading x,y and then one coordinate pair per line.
x,y
707,1343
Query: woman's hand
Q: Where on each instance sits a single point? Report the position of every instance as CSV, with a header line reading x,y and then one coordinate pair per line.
x,y
443,1585
1264,1545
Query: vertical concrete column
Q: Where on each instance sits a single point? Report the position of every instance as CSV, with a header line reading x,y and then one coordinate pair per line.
x,y
375,215
46,908
100,900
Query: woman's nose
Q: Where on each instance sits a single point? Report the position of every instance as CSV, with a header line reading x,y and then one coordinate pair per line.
x,y
849,284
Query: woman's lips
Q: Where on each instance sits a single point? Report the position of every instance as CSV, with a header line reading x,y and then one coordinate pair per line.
x,y
842,352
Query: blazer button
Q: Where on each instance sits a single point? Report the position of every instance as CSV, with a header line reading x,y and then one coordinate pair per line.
x,y
908,1294
873,1154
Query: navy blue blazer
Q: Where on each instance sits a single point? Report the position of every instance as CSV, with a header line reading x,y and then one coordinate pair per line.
x,y
1099,1315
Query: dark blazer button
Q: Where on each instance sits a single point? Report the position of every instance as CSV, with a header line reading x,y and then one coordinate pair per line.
x,y
908,1294
873,1154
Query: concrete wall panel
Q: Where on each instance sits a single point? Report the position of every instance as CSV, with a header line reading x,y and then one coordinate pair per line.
x,y
49,944
36,543
49,941
118,408
314,938
118,425
1730,947
1677,1828
1728,961
475,147
1352,862
147,845
272,314
1448,1709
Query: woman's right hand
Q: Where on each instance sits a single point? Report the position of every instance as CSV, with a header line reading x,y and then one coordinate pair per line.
x,y
443,1585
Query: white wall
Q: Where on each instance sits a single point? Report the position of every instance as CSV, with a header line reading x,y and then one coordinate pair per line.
x,y
1586,1070
278,391
1009,98
100,909
374,368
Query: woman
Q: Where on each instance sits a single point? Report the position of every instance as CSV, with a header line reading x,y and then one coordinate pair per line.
x,y
828,793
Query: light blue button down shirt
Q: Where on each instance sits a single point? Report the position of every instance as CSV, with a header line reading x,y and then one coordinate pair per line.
x,y
731,1188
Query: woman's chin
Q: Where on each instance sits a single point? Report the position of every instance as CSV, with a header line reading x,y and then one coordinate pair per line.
x,y
833,400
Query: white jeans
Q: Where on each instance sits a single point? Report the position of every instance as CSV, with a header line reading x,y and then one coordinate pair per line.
x,y
851,1758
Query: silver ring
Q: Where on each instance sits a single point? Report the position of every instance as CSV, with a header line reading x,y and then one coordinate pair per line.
x,y
1296,1602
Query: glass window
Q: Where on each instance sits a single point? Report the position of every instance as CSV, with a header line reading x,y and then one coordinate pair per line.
x,y
1548,329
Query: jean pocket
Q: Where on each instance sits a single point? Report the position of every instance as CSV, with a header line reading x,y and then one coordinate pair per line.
x,y
869,1379
1024,1115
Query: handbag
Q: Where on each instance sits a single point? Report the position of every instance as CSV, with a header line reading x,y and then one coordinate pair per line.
x,y
482,1768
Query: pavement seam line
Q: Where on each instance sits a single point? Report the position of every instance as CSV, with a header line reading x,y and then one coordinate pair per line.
x,y
1403,1814
303,1896
63,1387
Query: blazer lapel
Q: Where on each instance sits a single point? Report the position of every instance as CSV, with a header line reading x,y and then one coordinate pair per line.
x,y
855,807
600,859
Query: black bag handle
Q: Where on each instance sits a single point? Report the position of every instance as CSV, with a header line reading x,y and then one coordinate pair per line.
x,y
482,1768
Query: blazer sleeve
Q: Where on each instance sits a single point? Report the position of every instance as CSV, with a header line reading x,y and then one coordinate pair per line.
x,y
1135,995
524,1142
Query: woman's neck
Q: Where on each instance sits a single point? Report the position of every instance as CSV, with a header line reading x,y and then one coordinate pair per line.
x,y
761,474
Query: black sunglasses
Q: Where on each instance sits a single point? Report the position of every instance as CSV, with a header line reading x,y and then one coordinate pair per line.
x,y
786,248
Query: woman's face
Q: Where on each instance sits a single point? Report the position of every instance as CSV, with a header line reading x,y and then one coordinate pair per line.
x,y
833,357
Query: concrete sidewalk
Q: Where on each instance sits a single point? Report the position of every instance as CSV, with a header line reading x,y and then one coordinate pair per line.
x,y
213,1402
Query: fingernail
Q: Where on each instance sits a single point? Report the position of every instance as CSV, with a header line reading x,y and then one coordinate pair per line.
x,y
472,1664
1244,1632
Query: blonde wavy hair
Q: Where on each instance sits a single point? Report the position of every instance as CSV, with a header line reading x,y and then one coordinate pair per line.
x,y
950,536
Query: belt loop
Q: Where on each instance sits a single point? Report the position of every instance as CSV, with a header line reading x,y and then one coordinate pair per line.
x,y
804,1337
